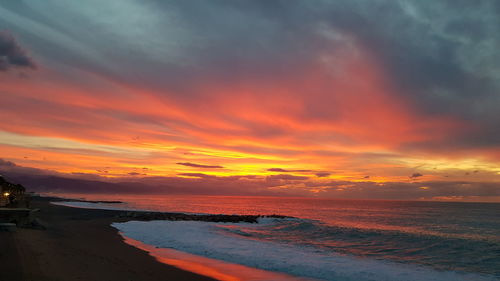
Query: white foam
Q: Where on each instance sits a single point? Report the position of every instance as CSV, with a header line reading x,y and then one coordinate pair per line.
x,y
210,240
219,270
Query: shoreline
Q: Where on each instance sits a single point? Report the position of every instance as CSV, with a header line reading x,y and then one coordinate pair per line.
x,y
218,269
71,226
79,244
198,264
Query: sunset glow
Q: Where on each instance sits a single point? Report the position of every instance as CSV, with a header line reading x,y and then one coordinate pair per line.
x,y
326,109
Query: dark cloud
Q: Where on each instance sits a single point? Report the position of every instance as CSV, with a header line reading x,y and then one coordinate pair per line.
x,y
11,53
416,175
286,177
277,170
322,174
199,165
196,175
442,55
12,169
199,183
280,170
411,191
136,174
5,163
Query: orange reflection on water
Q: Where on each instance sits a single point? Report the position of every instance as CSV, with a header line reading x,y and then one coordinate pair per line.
x,y
216,269
166,256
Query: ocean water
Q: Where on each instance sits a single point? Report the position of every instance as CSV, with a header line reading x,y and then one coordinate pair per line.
x,y
329,239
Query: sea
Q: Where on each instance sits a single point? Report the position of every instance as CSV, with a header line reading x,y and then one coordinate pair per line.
x,y
325,239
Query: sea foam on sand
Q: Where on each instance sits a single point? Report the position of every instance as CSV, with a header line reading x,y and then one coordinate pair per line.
x,y
220,270
208,239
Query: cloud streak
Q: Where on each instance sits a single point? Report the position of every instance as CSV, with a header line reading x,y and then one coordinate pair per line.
x,y
12,55
416,175
194,165
275,185
288,170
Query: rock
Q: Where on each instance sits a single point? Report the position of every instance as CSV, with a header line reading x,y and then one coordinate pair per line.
x,y
148,216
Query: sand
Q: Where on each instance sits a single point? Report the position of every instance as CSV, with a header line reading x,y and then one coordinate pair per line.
x,y
78,244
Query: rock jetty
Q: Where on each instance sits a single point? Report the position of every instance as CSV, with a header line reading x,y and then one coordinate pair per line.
x,y
148,216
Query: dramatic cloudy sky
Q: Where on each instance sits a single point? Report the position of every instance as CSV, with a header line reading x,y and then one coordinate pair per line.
x,y
340,98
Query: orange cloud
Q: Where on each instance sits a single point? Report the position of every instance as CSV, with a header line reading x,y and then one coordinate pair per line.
x,y
341,114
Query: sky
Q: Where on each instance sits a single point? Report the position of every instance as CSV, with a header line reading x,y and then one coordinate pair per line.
x,y
345,98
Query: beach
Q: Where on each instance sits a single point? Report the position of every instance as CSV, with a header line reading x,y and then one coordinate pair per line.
x,y
78,244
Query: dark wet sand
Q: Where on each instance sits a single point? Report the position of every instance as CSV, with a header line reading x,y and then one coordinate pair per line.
x,y
78,244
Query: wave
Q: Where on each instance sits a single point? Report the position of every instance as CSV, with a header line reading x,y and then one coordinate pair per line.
x,y
278,245
439,251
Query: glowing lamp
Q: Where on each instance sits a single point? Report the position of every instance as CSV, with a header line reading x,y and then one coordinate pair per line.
x,y
6,194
